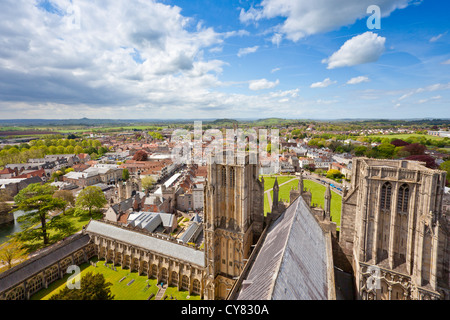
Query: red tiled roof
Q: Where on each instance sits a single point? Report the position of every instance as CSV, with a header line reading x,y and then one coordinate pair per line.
x,y
6,170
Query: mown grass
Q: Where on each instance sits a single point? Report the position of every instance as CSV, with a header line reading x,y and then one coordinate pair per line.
x,y
317,197
140,289
270,180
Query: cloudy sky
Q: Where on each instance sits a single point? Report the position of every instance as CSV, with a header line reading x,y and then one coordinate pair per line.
x,y
144,59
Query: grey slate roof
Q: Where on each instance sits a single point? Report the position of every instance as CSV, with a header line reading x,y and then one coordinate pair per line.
x,y
143,241
292,261
21,272
190,232
152,220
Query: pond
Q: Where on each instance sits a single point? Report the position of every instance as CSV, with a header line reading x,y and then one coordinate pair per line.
x,y
10,228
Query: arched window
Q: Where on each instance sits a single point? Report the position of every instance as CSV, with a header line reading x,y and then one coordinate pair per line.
x,y
403,199
196,287
174,278
385,199
231,177
154,271
184,283
164,275
224,176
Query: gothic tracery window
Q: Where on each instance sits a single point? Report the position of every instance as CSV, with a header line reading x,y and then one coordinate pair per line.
x,y
385,199
224,176
403,199
231,177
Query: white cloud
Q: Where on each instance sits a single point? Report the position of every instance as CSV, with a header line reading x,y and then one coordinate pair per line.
x,y
106,56
287,93
446,62
276,39
363,48
429,99
322,84
215,49
275,70
262,84
430,88
306,17
245,51
358,79
436,38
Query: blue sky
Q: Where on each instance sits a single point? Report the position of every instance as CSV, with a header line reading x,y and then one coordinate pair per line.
x,y
215,59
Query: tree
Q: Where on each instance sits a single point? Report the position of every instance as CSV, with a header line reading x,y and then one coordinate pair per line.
x,y
429,160
64,226
140,155
10,251
92,287
386,150
148,182
360,150
78,150
446,167
67,196
399,143
89,198
4,207
334,174
37,200
415,149
125,174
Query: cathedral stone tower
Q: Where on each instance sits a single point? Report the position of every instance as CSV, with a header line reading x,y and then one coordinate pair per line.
x,y
233,221
394,232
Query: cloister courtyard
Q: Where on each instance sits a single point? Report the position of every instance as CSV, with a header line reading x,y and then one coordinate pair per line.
x,y
126,285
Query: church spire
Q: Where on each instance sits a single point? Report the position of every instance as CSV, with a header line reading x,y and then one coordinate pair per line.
x,y
276,189
327,203
300,184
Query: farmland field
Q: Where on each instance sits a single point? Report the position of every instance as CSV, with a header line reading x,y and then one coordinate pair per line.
x,y
405,136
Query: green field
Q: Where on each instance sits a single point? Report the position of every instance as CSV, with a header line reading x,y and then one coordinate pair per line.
x,y
317,197
140,289
405,136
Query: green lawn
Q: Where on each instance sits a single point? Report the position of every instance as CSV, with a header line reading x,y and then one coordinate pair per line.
x,y
317,197
137,290
270,180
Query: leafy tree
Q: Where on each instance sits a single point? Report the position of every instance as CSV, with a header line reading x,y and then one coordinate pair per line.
x,y
147,182
125,174
156,135
140,155
415,149
10,251
446,167
360,150
64,226
89,198
4,207
78,150
92,287
399,143
429,160
385,150
37,200
67,196
334,174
